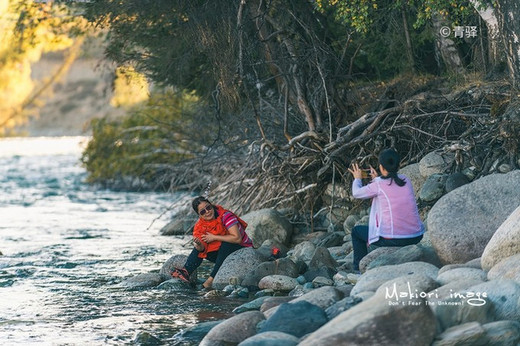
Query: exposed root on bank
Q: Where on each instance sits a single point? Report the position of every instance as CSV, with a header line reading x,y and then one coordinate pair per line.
x,y
480,125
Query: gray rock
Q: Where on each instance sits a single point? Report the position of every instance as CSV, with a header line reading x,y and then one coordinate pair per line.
x,y
179,226
342,306
504,243
451,266
502,333
504,168
433,187
298,319
196,333
414,175
274,302
474,263
255,304
446,291
332,239
508,268
145,338
173,284
141,281
322,297
282,283
349,223
376,322
321,281
372,255
363,221
461,274
409,285
333,221
504,295
463,221
337,252
322,258
470,333
236,265
283,266
455,311
176,261
399,255
268,224
435,162
322,271
303,251
455,180
271,339
372,279
233,330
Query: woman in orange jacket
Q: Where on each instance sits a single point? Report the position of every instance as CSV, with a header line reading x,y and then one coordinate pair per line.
x,y
217,233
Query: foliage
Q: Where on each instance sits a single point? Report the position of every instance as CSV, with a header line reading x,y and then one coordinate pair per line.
x,y
139,148
28,29
130,87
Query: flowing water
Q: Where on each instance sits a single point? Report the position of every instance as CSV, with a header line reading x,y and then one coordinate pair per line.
x,y
67,245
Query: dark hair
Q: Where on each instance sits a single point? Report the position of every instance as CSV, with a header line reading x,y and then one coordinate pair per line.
x,y
195,203
390,159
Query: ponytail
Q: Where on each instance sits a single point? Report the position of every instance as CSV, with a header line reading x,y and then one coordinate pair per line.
x,y
394,177
390,159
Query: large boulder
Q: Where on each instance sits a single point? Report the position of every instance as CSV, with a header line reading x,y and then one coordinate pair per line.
x,y
504,243
433,188
266,224
271,339
179,226
503,294
372,279
237,265
233,330
414,174
176,261
297,319
397,255
283,266
508,268
463,221
278,283
435,162
376,322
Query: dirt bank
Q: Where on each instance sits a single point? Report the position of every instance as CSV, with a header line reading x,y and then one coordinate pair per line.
x,y
83,94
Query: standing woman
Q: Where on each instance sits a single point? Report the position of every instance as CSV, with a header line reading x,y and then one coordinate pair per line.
x,y
394,217
217,233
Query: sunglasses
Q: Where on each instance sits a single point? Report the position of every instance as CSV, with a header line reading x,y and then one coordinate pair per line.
x,y
203,211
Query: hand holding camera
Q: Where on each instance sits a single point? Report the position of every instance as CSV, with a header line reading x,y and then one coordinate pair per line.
x,y
359,173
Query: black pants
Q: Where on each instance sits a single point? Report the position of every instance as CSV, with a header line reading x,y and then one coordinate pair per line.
x,y
217,257
360,240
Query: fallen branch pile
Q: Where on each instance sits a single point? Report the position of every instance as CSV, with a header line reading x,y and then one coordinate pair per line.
x,y
479,126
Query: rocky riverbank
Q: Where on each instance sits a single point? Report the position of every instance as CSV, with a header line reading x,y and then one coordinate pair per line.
x,y
460,285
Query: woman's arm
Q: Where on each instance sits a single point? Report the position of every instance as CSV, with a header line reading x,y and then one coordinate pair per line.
x,y
198,244
233,236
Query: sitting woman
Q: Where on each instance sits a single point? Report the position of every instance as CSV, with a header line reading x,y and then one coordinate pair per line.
x,y
394,217
217,233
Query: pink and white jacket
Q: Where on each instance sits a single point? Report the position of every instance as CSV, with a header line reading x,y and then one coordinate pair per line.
x,y
394,213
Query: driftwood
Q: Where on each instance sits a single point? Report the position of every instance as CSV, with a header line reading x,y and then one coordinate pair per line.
x,y
296,174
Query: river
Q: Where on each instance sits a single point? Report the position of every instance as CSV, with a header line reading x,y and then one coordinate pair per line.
x,y
67,245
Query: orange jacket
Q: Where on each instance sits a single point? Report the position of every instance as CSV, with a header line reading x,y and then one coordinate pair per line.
x,y
215,226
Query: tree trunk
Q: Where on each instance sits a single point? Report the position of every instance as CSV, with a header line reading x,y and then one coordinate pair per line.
x,y
489,16
445,48
409,48
508,13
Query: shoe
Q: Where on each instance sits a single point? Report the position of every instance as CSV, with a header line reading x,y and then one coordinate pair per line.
x,y
182,274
